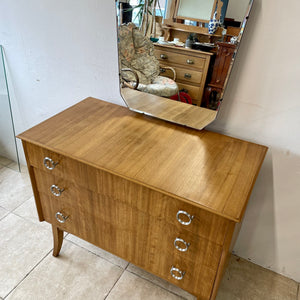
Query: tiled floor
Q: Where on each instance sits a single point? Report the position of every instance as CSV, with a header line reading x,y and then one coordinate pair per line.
x,y
82,271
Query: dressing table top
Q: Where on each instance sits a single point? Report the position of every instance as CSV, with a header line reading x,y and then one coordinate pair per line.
x,y
207,169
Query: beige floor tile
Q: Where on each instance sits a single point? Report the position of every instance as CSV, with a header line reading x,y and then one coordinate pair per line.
x,y
100,252
5,161
246,281
132,287
3,212
28,211
22,246
74,274
15,188
160,282
13,166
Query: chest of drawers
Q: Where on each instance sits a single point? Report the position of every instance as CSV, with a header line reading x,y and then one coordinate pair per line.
x,y
191,68
164,197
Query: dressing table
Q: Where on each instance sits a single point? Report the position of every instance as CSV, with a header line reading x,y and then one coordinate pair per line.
x,y
164,197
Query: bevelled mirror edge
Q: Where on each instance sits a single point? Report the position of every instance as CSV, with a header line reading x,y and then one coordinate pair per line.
x,y
197,117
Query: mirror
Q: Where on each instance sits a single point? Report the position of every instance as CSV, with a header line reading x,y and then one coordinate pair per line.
x,y
9,157
175,56
196,10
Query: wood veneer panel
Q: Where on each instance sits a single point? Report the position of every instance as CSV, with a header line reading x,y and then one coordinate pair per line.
x,y
111,187
136,237
210,170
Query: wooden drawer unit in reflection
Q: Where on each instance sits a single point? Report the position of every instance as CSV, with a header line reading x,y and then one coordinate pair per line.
x,y
191,68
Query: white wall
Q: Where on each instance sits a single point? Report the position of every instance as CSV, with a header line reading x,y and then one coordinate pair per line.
x,y
60,52
262,105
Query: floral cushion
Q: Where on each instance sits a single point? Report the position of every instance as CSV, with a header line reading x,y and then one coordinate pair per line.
x,y
137,53
161,86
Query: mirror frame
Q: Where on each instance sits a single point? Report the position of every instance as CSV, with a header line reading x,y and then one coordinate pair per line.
x,y
179,17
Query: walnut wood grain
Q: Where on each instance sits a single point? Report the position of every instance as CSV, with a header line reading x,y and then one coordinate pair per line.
x,y
125,176
169,110
209,170
58,236
204,224
136,237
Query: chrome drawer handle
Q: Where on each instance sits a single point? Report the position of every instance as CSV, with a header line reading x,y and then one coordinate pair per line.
x,y
55,190
178,241
49,163
187,75
163,56
189,62
182,212
60,217
176,270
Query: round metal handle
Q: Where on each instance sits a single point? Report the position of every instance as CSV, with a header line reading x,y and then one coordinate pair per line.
x,y
176,270
60,217
187,75
182,212
49,163
177,243
163,56
55,190
189,61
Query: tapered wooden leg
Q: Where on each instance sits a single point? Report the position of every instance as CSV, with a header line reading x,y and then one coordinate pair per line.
x,y
58,236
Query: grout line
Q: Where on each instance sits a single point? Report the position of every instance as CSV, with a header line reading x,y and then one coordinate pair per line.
x,y
21,204
32,222
99,255
5,216
1,218
156,283
114,285
28,274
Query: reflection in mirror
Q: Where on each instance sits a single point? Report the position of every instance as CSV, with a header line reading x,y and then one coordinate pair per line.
x,y
175,61
196,10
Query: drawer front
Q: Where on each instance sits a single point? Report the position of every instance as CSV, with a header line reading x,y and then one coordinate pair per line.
x,y
175,240
184,74
194,91
182,59
200,222
62,166
138,238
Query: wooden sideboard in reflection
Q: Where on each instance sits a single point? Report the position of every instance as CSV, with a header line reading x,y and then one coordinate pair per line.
x,y
191,68
222,65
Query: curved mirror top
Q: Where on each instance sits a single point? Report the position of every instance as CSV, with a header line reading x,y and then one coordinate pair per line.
x,y
175,56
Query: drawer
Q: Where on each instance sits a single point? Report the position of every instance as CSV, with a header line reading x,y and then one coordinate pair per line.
x,y
184,74
62,166
202,223
138,238
181,59
194,91
197,280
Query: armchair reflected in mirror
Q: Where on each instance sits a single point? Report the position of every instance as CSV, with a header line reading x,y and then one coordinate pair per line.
x,y
175,56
